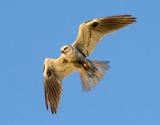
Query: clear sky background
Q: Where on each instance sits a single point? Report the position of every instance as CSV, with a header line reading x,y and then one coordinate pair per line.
x,y
31,30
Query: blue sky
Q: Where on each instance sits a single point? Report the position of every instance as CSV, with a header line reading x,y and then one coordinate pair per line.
x,y
32,30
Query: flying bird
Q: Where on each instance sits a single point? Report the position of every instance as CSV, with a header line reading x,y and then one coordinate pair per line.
x,y
74,57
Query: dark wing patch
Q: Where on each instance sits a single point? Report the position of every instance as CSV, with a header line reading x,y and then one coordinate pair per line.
x,y
94,24
53,89
49,73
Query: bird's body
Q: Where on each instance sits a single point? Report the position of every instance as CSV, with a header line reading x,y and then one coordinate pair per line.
x,y
74,57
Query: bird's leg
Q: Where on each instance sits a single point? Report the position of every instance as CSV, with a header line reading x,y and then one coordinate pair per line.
x,y
88,65
85,66
85,63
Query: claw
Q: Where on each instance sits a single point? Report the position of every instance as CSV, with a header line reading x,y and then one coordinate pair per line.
x,y
85,66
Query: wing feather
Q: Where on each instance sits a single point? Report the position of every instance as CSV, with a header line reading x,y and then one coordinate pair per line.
x,y
54,72
92,31
53,91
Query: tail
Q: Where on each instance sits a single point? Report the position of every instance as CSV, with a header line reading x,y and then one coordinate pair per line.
x,y
91,76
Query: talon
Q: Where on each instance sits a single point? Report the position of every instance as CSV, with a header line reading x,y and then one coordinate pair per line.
x,y
85,66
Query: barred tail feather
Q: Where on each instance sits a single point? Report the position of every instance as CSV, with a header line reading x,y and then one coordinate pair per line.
x,y
90,78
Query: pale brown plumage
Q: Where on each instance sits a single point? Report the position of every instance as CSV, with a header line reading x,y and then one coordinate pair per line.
x,y
92,31
74,58
54,71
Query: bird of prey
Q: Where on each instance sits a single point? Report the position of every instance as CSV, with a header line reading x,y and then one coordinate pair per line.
x,y
74,57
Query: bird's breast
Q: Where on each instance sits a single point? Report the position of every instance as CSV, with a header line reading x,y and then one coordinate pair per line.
x,y
65,68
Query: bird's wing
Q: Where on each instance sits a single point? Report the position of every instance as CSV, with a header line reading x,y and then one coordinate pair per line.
x,y
54,72
92,31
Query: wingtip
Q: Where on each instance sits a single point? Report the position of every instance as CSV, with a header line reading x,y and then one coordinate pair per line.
x,y
128,17
131,19
134,19
47,107
53,113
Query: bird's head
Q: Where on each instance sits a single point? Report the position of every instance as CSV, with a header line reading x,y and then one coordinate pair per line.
x,y
65,49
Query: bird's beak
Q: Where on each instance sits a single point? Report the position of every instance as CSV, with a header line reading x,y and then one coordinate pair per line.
x,y
62,51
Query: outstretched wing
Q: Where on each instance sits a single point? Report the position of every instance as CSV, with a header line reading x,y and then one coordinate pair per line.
x,y
92,31
52,88
54,72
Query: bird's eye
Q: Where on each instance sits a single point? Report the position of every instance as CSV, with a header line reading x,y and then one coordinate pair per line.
x,y
65,48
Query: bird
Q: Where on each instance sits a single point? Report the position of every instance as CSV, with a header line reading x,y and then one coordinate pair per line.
x,y
74,57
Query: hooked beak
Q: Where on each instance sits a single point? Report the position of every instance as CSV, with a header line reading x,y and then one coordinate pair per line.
x,y
62,51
